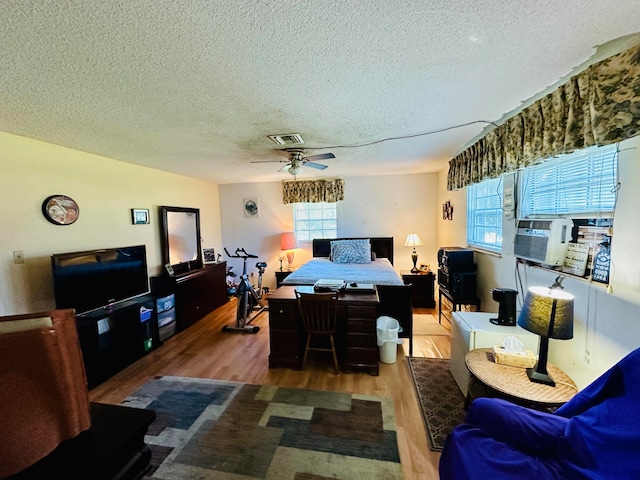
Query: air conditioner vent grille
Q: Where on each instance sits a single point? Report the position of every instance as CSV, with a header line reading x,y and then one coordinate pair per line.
x,y
287,139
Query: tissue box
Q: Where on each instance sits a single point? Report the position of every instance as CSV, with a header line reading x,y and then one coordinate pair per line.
x,y
525,360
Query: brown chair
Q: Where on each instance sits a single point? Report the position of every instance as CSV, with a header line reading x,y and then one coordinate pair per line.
x,y
44,397
319,312
48,428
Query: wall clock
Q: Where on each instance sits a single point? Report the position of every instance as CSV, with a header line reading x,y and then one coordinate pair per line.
x,y
60,210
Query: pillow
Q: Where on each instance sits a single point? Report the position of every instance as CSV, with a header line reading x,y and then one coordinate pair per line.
x,y
351,251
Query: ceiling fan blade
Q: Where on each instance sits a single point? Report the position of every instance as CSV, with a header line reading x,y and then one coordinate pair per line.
x,y
270,161
320,156
285,167
319,166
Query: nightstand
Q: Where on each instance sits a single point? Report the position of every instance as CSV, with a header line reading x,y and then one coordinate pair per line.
x,y
423,288
281,275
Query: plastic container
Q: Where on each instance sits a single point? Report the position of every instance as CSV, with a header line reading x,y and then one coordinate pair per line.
x,y
388,341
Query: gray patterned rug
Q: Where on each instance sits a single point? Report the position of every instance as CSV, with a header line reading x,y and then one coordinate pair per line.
x,y
227,430
441,400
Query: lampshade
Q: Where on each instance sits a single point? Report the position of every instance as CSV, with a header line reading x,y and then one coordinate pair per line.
x,y
536,313
547,312
288,241
413,240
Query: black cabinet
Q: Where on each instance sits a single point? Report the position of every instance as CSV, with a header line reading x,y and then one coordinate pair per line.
x,y
197,292
112,340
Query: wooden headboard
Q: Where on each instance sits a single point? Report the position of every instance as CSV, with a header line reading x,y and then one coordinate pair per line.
x,y
382,246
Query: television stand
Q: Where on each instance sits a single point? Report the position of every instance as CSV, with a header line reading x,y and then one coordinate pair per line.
x,y
112,339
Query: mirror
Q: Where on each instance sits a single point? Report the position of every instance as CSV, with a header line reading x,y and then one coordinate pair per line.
x,y
181,238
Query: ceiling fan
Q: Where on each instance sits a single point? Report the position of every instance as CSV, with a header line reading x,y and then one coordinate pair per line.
x,y
296,159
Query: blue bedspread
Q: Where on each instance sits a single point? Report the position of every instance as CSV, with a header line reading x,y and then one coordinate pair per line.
x,y
378,272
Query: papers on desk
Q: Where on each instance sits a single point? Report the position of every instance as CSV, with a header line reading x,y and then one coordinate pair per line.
x,y
328,285
360,287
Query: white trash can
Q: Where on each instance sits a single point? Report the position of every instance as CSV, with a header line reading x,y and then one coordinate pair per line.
x,y
388,341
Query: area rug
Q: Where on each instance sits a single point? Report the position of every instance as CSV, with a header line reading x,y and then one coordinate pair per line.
x,y
427,324
441,401
227,430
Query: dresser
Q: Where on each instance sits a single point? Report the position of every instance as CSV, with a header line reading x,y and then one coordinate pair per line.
x,y
197,292
355,338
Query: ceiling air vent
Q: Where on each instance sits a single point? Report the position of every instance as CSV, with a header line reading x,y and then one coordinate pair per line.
x,y
287,139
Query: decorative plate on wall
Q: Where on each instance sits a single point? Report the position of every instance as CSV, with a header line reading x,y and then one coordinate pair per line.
x,y
60,210
251,208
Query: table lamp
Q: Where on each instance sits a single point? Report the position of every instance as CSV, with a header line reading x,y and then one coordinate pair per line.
x,y
288,242
548,312
413,240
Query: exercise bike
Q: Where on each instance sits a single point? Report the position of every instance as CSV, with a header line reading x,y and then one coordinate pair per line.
x,y
250,303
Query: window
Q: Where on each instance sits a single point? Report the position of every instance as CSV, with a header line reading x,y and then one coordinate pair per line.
x,y
315,220
581,184
484,215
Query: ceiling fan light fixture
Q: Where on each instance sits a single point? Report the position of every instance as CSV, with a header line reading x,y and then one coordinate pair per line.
x,y
294,170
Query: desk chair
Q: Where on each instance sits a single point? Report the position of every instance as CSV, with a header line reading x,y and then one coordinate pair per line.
x,y
319,312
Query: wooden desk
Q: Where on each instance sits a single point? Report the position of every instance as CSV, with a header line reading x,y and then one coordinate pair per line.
x,y
512,383
356,338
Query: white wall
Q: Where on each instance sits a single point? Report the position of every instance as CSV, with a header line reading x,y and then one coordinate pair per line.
x,y
606,325
106,191
373,206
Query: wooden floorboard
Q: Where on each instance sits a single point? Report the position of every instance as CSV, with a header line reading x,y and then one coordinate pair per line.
x,y
205,351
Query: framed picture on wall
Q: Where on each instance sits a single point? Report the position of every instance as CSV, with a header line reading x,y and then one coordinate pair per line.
x,y
140,216
251,207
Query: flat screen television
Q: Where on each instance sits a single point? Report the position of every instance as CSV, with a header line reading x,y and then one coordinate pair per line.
x,y
96,279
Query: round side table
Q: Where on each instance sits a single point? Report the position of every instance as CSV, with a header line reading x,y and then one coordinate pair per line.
x,y
512,383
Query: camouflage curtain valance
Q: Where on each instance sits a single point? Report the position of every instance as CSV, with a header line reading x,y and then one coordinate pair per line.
x,y
599,106
313,191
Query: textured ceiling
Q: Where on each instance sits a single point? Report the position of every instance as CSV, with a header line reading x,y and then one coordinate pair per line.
x,y
195,87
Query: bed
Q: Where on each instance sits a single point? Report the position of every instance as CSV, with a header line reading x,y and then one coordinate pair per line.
x,y
378,271
394,295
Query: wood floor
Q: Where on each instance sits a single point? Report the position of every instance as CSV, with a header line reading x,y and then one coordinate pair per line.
x,y
204,351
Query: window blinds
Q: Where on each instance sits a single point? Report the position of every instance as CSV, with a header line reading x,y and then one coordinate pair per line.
x,y
583,183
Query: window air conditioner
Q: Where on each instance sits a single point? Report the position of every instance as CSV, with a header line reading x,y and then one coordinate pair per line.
x,y
543,241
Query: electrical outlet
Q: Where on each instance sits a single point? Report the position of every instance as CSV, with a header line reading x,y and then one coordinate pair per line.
x,y
587,356
18,256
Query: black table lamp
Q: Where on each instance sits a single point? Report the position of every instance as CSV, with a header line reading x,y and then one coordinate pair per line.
x,y
413,240
548,312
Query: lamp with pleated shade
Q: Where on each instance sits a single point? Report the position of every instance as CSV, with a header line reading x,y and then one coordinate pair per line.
x,y
413,240
288,242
